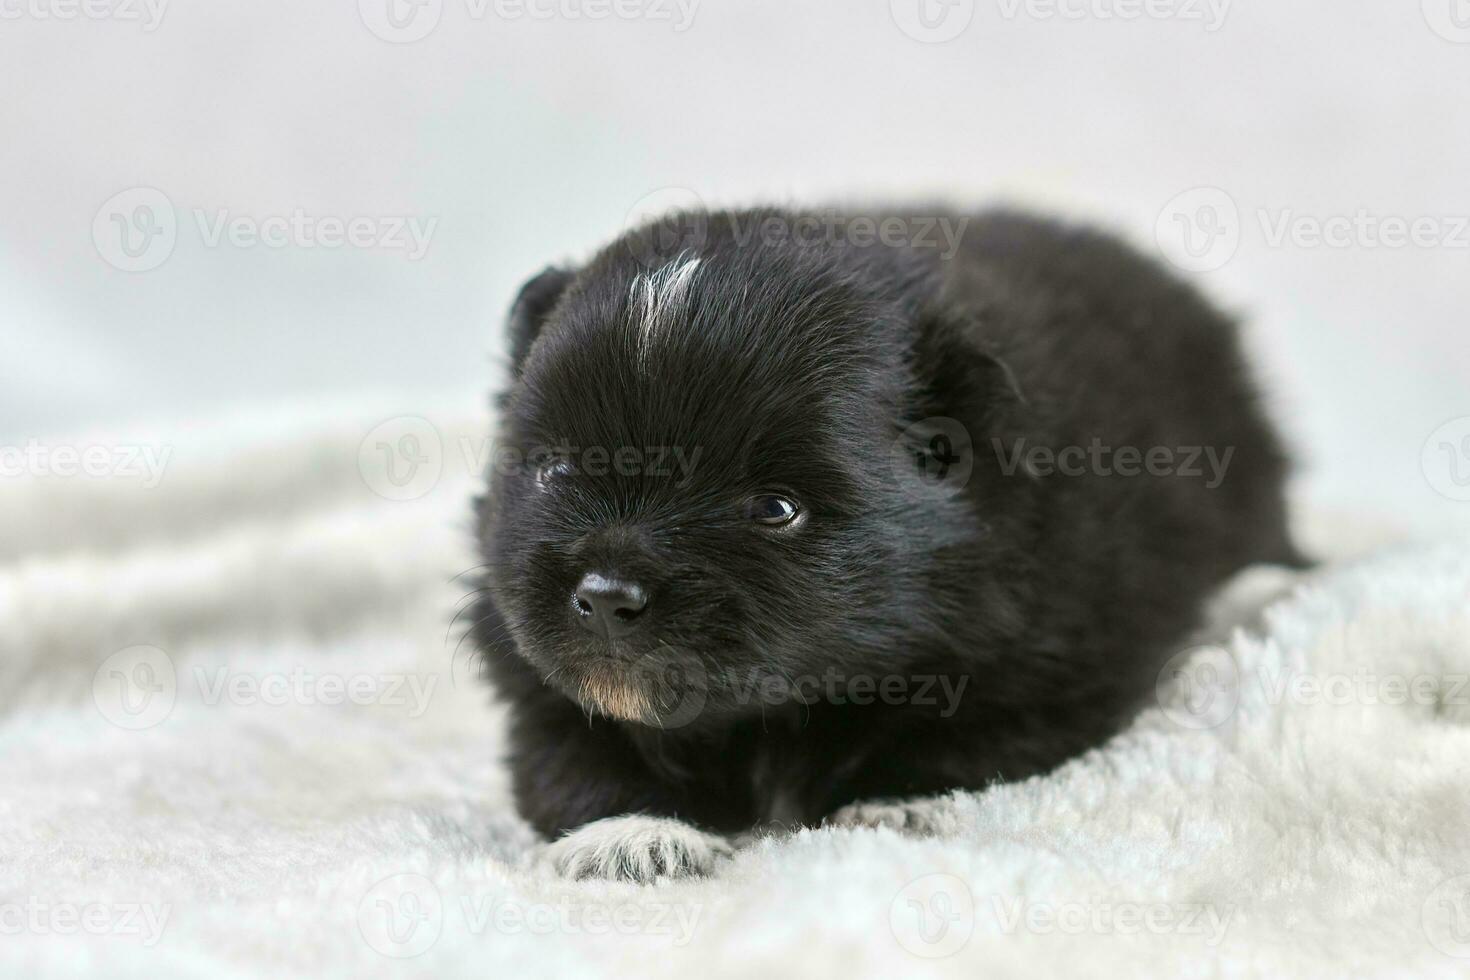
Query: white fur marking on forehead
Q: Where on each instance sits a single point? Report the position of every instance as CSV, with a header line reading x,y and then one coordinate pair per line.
x,y
656,295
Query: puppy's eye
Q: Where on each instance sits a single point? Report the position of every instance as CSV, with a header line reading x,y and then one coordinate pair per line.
x,y
551,472
772,509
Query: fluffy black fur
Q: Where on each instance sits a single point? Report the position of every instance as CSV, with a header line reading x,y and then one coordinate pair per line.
x,y
798,368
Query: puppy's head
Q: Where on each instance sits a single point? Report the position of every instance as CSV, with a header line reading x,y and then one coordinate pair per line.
x,y
701,483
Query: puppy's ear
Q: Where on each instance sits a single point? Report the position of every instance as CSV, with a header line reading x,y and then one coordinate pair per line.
x,y
530,310
968,398
959,378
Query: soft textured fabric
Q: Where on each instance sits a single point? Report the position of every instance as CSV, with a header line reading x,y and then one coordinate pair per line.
x,y
238,737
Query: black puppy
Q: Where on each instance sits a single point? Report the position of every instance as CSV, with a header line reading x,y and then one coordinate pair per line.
x,y
797,510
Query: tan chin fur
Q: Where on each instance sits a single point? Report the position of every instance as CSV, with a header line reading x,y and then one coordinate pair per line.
x,y
612,690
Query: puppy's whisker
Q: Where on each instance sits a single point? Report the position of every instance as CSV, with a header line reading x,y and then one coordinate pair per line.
x,y
463,607
484,567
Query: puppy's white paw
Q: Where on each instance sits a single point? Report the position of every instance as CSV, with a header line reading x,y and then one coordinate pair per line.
x,y
920,816
636,848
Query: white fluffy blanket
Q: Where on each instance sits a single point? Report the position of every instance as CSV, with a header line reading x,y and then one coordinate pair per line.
x,y
236,739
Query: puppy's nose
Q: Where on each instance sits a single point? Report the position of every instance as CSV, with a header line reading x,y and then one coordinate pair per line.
x,y
610,607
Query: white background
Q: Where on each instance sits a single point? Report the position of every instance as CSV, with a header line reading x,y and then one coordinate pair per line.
x,y
530,139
